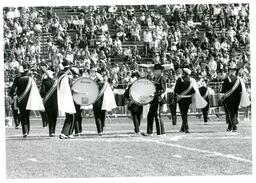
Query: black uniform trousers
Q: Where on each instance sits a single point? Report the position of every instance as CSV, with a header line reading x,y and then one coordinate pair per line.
x,y
231,115
155,113
16,115
100,117
136,112
205,111
78,119
25,122
68,126
173,109
44,118
51,115
184,106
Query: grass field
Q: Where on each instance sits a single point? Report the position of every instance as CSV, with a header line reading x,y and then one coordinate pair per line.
x,y
207,150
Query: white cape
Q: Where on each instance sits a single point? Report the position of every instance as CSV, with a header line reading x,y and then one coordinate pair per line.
x,y
197,100
34,100
109,101
245,100
65,99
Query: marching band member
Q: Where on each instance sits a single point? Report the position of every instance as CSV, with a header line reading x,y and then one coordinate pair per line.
x,y
104,102
65,101
187,93
173,99
183,90
232,88
49,94
28,97
78,114
157,103
135,109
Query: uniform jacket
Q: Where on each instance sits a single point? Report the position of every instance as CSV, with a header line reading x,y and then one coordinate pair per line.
x,y
46,86
202,91
160,84
227,85
18,87
181,85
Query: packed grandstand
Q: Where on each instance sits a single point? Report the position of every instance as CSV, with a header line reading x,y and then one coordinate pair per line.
x,y
120,39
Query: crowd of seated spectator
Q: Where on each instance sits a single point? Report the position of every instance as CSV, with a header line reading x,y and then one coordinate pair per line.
x,y
207,37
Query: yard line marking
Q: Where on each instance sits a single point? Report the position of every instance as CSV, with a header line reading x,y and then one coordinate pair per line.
x,y
202,151
80,158
128,157
177,156
32,159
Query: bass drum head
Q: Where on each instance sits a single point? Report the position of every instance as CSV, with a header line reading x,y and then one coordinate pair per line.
x,y
142,90
85,91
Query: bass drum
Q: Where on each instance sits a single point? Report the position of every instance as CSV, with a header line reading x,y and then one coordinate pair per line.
x,y
85,91
142,91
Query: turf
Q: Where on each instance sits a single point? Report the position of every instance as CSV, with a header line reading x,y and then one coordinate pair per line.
x,y
207,150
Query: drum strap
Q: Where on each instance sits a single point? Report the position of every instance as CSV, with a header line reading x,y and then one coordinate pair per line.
x,y
60,78
28,87
182,95
227,94
102,90
206,93
50,92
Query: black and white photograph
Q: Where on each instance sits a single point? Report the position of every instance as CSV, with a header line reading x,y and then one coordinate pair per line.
x,y
127,90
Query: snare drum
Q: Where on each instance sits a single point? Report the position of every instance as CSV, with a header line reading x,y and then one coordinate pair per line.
x,y
142,91
85,91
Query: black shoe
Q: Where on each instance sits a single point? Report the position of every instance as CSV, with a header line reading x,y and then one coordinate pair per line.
x,y
25,135
173,123
187,131
234,130
228,130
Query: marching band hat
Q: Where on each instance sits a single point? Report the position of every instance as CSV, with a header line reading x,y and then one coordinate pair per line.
x,y
158,67
50,73
75,70
232,66
65,63
24,68
187,71
135,74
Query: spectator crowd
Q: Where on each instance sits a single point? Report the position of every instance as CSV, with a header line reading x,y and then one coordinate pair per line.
x,y
120,39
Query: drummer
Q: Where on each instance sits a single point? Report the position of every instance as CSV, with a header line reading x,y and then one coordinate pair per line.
x,y
65,100
99,114
205,92
135,109
157,103
78,115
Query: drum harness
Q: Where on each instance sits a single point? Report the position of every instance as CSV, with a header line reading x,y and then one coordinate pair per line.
x,y
206,93
29,85
50,92
183,94
102,90
228,93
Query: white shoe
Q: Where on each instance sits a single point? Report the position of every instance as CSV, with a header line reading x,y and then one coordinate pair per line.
x,y
70,136
147,134
62,136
